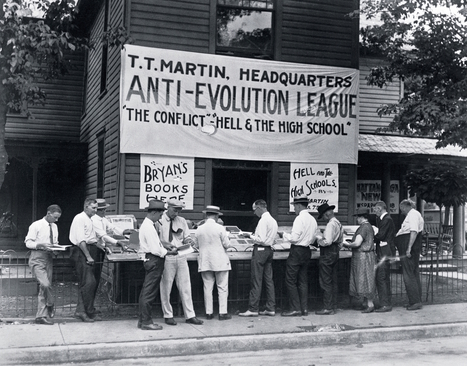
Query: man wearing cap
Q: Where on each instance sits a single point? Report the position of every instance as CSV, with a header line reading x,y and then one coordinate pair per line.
x,y
329,246
174,230
84,254
261,261
385,248
409,246
153,253
296,273
213,263
42,235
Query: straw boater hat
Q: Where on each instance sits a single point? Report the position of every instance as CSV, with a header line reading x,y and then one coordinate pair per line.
x,y
362,211
101,204
172,202
156,205
301,199
213,209
323,209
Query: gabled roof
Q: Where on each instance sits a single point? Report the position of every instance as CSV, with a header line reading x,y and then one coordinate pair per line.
x,y
406,145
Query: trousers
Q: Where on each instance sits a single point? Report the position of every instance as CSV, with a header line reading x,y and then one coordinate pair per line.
x,y
383,276
328,259
261,269
221,278
41,264
87,283
410,266
176,268
296,277
153,268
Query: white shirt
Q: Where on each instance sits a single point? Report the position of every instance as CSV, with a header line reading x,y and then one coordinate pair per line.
x,y
39,233
333,233
412,222
82,229
303,230
103,227
149,241
266,230
180,230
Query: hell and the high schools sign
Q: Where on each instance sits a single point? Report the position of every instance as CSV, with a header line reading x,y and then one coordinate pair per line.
x,y
203,105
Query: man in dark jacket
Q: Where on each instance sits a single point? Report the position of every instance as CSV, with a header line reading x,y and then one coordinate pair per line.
x,y
385,249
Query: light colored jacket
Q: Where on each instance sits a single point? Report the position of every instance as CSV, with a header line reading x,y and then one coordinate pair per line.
x,y
212,239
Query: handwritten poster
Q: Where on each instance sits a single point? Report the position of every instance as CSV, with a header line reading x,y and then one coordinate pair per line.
x,y
369,192
164,177
319,182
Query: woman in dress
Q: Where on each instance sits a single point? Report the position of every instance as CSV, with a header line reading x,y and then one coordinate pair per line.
x,y
362,268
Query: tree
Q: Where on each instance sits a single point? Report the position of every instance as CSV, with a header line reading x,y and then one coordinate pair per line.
x,y
425,44
32,49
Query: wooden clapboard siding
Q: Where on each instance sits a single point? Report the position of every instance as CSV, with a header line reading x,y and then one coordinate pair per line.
x,y
102,109
182,25
318,32
59,118
372,97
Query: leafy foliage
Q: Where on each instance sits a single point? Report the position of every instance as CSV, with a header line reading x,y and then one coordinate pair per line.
x,y
427,48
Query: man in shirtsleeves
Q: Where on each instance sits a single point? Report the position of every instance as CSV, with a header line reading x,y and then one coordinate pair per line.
x,y
41,237
329,246
174,230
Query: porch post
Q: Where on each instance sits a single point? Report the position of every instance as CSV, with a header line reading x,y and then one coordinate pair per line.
x,y
458,231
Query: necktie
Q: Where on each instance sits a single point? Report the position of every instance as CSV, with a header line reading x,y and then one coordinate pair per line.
x,y
51,234
171,236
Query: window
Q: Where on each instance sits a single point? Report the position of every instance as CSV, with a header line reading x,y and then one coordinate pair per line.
x,y
100,164
105,49
245,28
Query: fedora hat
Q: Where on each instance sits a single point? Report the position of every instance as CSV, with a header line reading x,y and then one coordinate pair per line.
x,y
301,199
101,204
323,208
362,211
213,209
172,202
156,205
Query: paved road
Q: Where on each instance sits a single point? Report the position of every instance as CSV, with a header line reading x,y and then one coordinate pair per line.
x,y
450,351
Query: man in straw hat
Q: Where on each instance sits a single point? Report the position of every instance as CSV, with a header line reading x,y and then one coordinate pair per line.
x,y
261,261
296,273
174,230
153,253
330,243
212,240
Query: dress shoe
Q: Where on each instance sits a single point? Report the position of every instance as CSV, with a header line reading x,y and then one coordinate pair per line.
x,y
249,313
325,312
291,313
225,316
170,321
43,321
304,312
384,309
151,327
209,316
194,320
368,310
416,306
96,317
84,317
51,310
267,312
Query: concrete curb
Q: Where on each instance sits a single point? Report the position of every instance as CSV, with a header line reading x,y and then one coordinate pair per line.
x,y
166,348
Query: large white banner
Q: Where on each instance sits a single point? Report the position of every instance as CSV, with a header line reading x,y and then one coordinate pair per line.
x,y
319,182
204,105
369,192
165,177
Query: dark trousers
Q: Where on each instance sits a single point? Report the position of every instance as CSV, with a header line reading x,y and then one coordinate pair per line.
x,y
383,276
152,279
86,280
98,256
261,268
410,268
328,259
41,264
296,277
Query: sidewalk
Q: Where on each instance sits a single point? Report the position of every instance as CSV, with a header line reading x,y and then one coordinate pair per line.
x,y
69,340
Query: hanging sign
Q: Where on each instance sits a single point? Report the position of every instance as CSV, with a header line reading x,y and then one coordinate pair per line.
x,y
369,192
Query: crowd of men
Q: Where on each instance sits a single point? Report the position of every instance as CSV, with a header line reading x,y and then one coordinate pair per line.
x,y
164,232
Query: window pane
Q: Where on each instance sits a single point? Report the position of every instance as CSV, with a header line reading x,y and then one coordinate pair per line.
x,y
245,29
